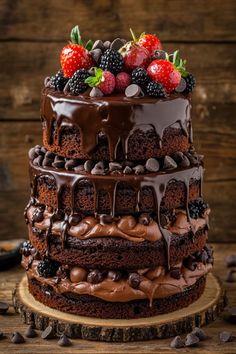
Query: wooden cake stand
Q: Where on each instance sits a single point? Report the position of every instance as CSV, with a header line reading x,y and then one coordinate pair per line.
x,y
201,312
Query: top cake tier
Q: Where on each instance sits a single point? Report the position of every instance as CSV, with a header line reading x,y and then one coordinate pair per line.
x,y
115,128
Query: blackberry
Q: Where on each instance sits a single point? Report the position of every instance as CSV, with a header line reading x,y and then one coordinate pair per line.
x,y
140,77
197,208
26,248
47,268
76,83
190,83
155,89
112,61
59,81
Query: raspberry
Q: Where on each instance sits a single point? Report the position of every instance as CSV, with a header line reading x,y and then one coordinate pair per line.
x,y
108,83
197,208
122,81
26,248
47,268
140,77
58,81
155,89
76,83
111,61
190,83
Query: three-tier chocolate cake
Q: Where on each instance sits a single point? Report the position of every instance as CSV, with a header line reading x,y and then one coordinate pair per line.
x,y
116,219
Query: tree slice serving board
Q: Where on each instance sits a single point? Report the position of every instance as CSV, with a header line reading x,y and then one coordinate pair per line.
x,y
201,312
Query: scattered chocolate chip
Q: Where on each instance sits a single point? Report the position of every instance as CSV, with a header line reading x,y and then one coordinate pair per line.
x,y
32,153
47,162
30,332
191,340
177,342
169,163
144,219
3,307
98,44
182,86
117,44
95,92
58,164
96,55
199,333
127,170
38,160
114,275
106,219
152,165
229,315
139,169
159,54
17,338
107,44
225,336
113,166
64,341
95,277
230,278
88,165
98,169
48,333
175,273
133,90
230,261
134,280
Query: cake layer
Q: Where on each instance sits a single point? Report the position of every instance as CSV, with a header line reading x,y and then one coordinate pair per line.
x,y
115,127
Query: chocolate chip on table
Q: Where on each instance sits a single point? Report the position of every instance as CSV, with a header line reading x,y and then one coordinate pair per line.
x,y
17,338
177,342
225,336
133,90
117,44
48,333
30,332
88,165
191,340
169,163
152,165
114,275
144,219
175,273
199,333
95,92
230,278
139,169
3,307
64,341
231,261
95,277
134,280
127,170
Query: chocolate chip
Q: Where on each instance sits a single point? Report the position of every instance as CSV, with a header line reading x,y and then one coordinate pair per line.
x,y
32,153
230,278
182,86
105,219
58,164
159,54
231,261
64,341
91,71
95,277
199,333
47,162
133,90
95,92
50,155
144,219
127,170
17,338
139,169
107,44
3,307
59,158
39,151
184,162
114,275
70,164
134,280
225,336
43,150
177,342
79,168
175,273
88,165
117,44
48,333
98,169
30,332
98,44
152,165
181,159
38,160
193,158
191,340
113,166
169,163
96,55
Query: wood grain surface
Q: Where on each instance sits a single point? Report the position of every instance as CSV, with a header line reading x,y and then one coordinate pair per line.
x,y
12,322
31,38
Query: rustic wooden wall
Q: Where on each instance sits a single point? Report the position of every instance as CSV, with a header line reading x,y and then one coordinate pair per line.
x,y
31,36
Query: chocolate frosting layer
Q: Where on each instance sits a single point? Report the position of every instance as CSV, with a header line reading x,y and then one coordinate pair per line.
x,y
115,116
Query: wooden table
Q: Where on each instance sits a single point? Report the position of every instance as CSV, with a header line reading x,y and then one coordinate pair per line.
x,y
12,322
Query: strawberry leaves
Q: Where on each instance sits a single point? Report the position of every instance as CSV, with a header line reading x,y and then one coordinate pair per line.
x,y
179,63
76,38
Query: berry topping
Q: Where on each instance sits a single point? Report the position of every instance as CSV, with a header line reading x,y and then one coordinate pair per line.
x,y
74,55
77,83
140,77
58,81
197,208
190,83
112,61
150,42
47,268
27,249
104,80
123,80
155,89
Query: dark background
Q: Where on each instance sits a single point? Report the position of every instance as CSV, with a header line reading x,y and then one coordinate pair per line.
x,y
32,34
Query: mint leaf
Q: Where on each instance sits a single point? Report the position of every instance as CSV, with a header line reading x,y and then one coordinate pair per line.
x,y
75,36
95,80
89,45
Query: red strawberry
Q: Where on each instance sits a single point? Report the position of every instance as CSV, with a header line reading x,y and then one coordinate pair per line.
x,y
164,72
104,80
74,56
150,42
123,80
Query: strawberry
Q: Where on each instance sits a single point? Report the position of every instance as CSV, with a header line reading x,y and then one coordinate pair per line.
x,y
104,80
122,81
150,42
75,56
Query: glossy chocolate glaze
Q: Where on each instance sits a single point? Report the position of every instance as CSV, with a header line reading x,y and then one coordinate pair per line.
x,y
116,116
